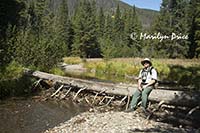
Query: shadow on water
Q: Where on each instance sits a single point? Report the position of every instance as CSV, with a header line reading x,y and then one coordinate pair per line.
x,y
21,86
29,116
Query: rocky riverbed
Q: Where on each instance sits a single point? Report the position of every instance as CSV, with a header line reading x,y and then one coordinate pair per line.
x,y
115,122
111,119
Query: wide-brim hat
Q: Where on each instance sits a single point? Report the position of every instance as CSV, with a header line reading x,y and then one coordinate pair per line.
x,y
146,60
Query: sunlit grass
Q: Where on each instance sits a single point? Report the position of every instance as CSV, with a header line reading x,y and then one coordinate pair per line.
x,y
57,71
183,71
72,60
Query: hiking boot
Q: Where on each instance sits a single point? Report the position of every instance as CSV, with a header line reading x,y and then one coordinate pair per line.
x,y
129,110
145,112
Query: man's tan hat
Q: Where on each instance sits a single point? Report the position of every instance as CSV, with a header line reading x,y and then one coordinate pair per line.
x,y
146,60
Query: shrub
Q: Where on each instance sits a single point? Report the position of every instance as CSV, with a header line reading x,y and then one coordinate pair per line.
x,y
13,82
13,70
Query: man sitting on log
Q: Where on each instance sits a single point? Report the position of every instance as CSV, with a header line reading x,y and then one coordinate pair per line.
x,y
146,81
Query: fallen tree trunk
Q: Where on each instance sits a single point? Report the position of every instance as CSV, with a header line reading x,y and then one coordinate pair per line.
x,y
182,98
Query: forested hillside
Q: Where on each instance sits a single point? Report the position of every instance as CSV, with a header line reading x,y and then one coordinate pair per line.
x,y
40,32
109,6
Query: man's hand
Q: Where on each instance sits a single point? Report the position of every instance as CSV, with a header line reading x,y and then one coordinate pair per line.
x,y
140,88
145,86
149,84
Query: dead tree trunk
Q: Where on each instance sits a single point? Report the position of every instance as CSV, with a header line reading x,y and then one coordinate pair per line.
x,y
182,98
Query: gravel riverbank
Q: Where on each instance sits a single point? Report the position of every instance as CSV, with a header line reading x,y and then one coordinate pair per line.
x,y
114,122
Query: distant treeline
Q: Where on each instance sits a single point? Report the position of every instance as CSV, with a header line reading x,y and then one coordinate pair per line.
x,y
34,35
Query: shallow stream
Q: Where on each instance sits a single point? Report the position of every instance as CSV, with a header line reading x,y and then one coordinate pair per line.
x,y
33,116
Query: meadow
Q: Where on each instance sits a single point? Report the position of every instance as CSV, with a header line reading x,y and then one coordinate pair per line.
x,y
185,72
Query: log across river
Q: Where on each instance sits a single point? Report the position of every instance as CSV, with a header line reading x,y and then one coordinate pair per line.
x,y
177,97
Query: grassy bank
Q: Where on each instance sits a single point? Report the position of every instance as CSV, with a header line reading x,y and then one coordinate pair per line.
x,y
13,82
184,71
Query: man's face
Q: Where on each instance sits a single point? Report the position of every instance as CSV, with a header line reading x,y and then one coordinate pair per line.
x,y
146,64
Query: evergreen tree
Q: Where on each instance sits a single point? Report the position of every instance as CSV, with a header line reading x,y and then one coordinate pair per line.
x,y
194,31
132,26
64,28
172,19
10,16
118,33
108,49
118,27
35,44
85,44
108,29
100,23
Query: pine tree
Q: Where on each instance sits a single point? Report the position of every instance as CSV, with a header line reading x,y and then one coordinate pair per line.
x,y
100,23
118,33
108,49
108,29
197,33
194,31
118,27
85,44
132,26
10,16
35,44
64,28
172,19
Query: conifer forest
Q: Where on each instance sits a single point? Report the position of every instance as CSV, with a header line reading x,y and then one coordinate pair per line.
x,y
40,32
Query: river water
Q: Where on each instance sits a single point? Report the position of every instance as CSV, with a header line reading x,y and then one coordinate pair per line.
x,y
33,116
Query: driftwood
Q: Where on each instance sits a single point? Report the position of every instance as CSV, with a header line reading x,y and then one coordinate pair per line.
x,y
182,98
57,91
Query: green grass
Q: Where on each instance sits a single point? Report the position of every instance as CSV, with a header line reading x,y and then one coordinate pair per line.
x,y
72,60
13,82
184,71
114,68
57,71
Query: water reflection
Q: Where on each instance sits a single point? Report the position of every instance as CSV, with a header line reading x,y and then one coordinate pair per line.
x,y
29,116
